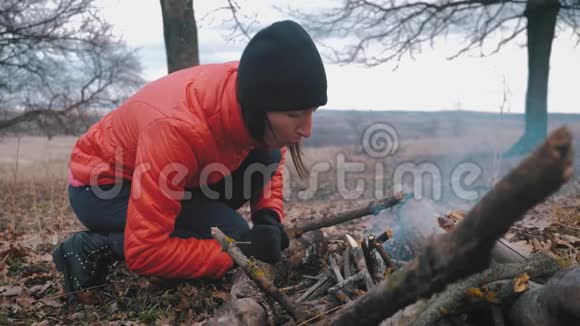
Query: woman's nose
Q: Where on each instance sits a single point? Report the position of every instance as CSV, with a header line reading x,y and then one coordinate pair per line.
x,y
305,129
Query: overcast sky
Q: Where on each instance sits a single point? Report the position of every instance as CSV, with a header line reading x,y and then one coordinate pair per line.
x,y
430,82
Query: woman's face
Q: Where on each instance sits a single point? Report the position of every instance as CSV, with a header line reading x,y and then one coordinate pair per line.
x,y
288,127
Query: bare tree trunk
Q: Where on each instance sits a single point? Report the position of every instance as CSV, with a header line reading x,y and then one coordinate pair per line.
x,y
180,33
541,16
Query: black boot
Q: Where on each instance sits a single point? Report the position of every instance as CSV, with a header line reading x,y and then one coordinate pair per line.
x,y
84,260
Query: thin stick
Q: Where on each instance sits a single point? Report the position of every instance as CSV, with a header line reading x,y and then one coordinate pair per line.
x,y
346,261
361,264
255,273
381,250
348,281
335,269
315,287
384,236
338,293
567,226
371,209
320,315
69,293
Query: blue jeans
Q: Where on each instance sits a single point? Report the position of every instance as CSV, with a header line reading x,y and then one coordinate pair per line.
x,y
198,213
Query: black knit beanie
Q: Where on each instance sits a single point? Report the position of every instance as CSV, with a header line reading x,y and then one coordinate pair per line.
x,y
281,70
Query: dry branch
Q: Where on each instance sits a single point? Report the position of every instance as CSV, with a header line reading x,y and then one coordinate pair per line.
x,y
323,280
256,273
381,250
322,222
348,281
466,250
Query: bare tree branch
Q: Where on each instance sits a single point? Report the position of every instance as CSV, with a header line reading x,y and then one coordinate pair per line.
x,y
387,30
57,58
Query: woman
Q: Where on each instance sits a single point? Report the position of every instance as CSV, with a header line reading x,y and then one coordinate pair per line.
x,y
182,154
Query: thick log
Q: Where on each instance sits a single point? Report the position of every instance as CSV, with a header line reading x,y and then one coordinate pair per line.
x,y
456,298
248,305
503,251
555,303
467,249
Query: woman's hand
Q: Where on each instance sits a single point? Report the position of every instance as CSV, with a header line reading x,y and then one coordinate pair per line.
x,y
262,242
269,217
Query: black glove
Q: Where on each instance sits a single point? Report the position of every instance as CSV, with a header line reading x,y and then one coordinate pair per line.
x,y
264,243
269,217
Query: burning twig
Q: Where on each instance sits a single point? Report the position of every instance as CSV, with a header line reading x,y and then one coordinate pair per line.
x,y
256,273
381,250
371,209
385,236
466,250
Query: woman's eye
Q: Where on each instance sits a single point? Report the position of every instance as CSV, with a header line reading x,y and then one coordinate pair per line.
x,y
293,115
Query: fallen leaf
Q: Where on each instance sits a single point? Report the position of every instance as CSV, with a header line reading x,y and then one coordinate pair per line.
x,y
76,315
25,300
86,297
38,290
143,282
475,292
51,303
521,283
222,295
3,272
10,291
445,223
490,297
456,216
13,251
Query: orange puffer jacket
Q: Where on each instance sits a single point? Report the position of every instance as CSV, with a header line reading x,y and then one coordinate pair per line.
x,y
161,139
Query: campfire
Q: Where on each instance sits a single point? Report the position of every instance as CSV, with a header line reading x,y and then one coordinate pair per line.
x,y
466,269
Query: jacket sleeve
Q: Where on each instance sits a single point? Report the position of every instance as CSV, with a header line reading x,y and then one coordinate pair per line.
x,y
165,159
272,194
